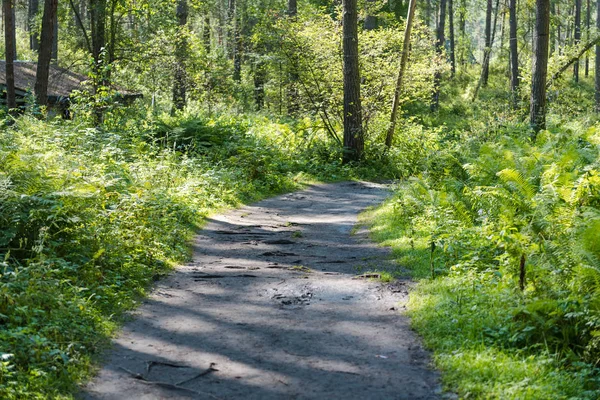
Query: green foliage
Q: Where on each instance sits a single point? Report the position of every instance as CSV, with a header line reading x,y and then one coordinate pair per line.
x,y
89,218
475,208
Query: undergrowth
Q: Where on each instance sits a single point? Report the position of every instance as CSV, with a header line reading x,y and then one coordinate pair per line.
x,y
89,218
503,235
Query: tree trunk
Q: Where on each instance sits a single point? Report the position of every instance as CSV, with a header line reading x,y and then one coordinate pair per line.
x,y
577,37
292,89
403,63
260,74
98,29
451,28
206,35
514,56
231,26
353,133
537,114
112,38
597,64
558,30
462,27
10,52
485,65
486,58
570,17
237,56
587,37
292,8
34,43
45,52
54,56
237,40
439,47
180,75
502,26
79,21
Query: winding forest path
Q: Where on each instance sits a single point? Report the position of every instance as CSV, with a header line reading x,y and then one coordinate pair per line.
x,y
271,308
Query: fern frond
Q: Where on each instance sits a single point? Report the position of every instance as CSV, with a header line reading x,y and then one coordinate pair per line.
x,y
515,180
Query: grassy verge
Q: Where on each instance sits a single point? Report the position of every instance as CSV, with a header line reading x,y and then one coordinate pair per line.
x,y
90,218
476,322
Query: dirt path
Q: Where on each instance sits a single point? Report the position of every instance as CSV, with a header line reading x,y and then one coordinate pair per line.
x,y
271,308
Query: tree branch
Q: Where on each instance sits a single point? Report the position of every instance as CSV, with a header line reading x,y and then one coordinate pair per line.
x,y
572,60
80,23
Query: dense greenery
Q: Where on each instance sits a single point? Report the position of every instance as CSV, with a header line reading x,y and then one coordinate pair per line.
x,y
484,200
500,224
90,217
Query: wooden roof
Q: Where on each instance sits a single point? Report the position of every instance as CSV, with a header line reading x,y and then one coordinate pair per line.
x,y
61,81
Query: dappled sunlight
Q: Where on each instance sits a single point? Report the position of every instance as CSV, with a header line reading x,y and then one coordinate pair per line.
x,y
273,304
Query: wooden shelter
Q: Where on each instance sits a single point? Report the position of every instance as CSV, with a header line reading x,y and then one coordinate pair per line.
x,y
61,83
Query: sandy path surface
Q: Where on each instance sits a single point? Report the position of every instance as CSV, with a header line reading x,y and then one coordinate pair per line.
x,y
271,308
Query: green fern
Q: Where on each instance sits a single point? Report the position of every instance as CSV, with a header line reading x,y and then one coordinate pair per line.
x,y
515,180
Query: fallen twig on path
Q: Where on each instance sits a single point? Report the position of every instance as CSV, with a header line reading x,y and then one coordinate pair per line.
x,y
167,385
150,364
366,276
203,373
210,276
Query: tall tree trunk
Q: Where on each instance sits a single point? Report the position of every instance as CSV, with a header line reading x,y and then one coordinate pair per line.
x,y
112,37
588,12
293,77
502,26
486,58
10,52
206,35
553,25
45,52
403,63
98,29
558,30
439,47
54,56
537,113
231,26
577,36
260,74
569,33
34,43
237,40
79,16
514,56
180,75
485,65
237,56
353,132
451,29
462,27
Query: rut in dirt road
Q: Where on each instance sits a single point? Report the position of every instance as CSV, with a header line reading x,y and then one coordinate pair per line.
x,y
273,307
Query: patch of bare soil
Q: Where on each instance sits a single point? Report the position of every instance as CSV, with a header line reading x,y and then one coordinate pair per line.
x,y
275,305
